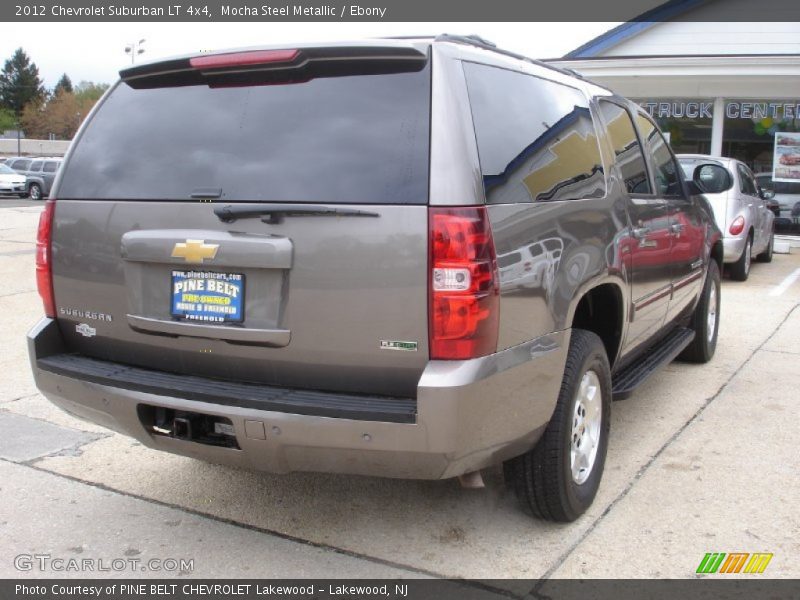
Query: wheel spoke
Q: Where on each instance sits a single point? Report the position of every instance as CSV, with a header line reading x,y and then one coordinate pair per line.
x,y
586,427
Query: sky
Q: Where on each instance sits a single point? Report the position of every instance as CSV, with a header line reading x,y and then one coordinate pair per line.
x,y
95,51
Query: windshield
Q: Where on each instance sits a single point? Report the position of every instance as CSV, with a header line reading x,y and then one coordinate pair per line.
x,y
5,170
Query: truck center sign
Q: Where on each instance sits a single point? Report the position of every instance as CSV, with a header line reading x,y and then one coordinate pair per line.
x,y
699,109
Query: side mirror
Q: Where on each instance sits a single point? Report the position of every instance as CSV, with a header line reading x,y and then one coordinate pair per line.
x,y
712,179
766,194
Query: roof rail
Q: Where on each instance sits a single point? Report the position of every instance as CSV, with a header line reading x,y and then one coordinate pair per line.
x,y
479,42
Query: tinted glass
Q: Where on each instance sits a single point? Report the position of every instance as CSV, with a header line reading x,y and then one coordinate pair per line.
x,y
746,183
627,149
21,165
780,187
688,165
506,260
50,167
355,139
536,139
667,174
36,166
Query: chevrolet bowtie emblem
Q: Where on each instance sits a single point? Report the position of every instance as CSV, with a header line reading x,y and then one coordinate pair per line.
x,y
195,251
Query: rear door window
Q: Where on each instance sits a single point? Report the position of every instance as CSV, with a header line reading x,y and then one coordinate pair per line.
x,y
346,139
627,149
50,167
536,138
667,174
36,166
746,183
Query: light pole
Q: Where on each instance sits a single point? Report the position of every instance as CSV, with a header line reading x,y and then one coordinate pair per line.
x,y
134,48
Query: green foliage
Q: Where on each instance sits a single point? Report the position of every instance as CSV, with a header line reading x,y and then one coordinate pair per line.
x,y
20,83
8,120
62,113
64,85
90,92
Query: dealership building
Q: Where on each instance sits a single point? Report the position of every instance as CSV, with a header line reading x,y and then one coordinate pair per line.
x,y
720,88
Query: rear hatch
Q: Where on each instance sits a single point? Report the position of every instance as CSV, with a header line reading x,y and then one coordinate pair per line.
x,y
258,216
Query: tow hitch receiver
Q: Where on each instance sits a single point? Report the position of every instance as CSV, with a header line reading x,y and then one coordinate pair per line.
x,y
189,426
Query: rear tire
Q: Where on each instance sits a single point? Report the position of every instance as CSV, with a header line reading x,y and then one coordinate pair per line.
x,y
740,270
766,255
35,192
558,479
705,327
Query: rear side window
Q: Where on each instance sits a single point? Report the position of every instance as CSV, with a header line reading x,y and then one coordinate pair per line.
x,y
746,183
21,165
667,175
536,139
627,150
50,167
348,139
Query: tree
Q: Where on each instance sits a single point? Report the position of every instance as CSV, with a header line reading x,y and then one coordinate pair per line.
x,y
90,92
20,83
8,120
62,113
64,85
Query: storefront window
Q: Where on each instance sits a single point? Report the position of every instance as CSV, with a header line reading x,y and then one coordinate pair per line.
x,y
765,134
686,121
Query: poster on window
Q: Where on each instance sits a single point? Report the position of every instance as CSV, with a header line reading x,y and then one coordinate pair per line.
x,y
786,162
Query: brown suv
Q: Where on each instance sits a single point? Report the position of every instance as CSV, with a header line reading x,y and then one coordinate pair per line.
x,y
286,259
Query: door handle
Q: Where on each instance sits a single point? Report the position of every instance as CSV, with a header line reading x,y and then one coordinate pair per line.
x,y
676,228
640,232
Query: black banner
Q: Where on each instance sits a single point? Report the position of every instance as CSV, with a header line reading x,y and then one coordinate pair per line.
x,y
734,588
392,10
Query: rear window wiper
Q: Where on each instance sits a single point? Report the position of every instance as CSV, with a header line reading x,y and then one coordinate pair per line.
x,y
275,213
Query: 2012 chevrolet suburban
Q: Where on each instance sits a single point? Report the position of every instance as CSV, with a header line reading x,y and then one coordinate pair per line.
x,y
287,260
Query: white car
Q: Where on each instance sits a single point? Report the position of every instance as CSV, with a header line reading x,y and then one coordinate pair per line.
x,y
740,212
12,182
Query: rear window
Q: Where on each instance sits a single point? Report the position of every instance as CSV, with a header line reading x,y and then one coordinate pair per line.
x,y
688,165
352,139
506,260
536,139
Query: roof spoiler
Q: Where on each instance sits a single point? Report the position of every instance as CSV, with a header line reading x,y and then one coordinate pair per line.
x,y
274,66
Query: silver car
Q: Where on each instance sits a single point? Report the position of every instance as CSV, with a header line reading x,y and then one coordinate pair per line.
x,y
741,212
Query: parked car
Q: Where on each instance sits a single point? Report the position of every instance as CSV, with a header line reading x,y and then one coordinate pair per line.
x,y
40,176
741,211
19,163
310,281
787,196
11,182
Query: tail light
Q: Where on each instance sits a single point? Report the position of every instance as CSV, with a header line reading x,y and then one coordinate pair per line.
x,y
737,226
464,306
44,263
241,59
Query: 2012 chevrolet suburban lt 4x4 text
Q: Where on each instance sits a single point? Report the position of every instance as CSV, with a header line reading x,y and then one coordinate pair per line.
x,y
406,258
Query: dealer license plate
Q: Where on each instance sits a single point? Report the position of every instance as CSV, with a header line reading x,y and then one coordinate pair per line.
x,y
208,297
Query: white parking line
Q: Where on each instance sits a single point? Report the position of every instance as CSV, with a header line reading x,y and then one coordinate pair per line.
x,y
784,285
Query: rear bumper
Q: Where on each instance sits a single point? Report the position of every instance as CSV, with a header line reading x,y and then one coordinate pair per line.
x,y
732,247
469,414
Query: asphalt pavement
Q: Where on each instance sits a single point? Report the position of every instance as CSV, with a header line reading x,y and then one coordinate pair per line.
x,y
702,459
